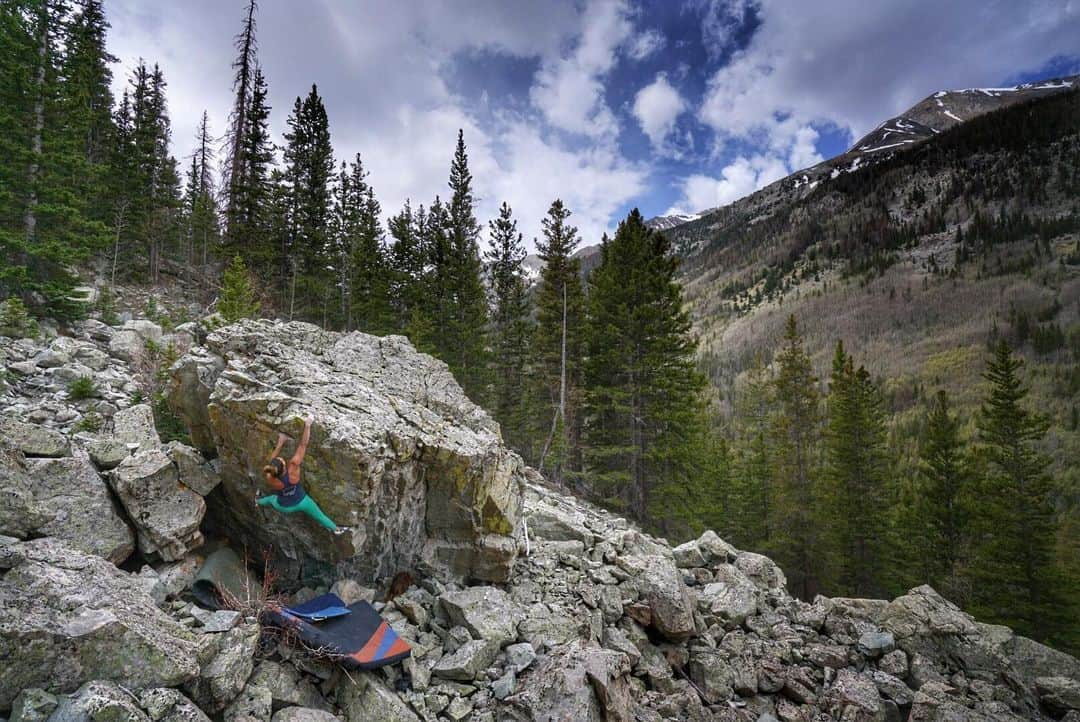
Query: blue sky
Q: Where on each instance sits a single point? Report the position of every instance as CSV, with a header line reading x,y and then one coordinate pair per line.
x,y
608,104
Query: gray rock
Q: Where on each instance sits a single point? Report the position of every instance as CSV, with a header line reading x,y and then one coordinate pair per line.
x,y
459,709
224,676
468,661
166,513
169,705
520,656
552,523
487,612
98,701
107,453
287,686
660,587
127,345
688,555
710,671
66,616
82,510
761,570
854,697
894,663
364,698
892,687
33,705
575,682
504,686
135,426
253,704
20,513
1059,694
303,714
875,644
34,440
147,330
391,424
192,469
220,621
715,550
351,592
732,597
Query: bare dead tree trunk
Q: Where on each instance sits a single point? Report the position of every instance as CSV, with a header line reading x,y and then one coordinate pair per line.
x,y
560,411
30,218
116,245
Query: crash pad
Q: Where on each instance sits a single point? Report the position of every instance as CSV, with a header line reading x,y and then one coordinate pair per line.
x,y
326,606
359,640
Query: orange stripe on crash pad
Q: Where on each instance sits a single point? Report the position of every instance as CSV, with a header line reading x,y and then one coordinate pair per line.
x,y
367,652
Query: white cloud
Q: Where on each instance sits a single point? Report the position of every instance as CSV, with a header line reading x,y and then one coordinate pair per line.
x,y
853,64
740,178
657,106
379,69
645,44
568,89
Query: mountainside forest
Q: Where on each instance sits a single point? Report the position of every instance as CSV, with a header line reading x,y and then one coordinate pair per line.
x,y
874,380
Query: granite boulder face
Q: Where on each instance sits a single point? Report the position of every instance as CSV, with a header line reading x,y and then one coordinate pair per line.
x,y
398,453
68,617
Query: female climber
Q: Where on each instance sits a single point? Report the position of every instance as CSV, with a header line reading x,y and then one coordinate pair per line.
x,y
284,479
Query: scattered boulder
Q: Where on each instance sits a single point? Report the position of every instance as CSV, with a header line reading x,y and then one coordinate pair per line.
x,y
469,659
364,698
166,513
67,617
98,701
34,440
731,598
224,676
33,705
303,714
20,513
134,427
169,705
83,512
661,589
1059,694
487,612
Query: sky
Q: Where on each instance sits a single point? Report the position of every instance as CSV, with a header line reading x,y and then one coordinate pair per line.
x,y
668,106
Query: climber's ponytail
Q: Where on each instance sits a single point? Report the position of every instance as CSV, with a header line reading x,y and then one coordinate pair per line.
x,y
275,468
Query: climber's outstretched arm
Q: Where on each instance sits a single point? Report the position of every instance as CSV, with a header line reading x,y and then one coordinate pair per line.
x,y
281,439
298,457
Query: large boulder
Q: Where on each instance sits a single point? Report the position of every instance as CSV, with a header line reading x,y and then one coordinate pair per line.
x,y
99,701
67,617
662,591
398,453
576,682
83,513
487,612
166,513
20,513
34,440
364,698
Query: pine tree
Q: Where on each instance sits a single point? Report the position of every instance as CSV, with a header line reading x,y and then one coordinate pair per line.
x,y
309,164
367,281
237,299
237,169
464,338
557,349
795,438
200,200
510,328
250,191
1015,581
942,501
753,503
645,442
407,261
47,218
855,478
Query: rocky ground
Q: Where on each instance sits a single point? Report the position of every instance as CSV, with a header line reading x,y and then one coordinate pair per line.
x,y
580,616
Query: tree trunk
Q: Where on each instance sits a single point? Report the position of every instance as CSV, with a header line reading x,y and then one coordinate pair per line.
x,y
30,219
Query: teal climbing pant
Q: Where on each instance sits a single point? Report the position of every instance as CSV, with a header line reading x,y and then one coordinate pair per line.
x,y
308,506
